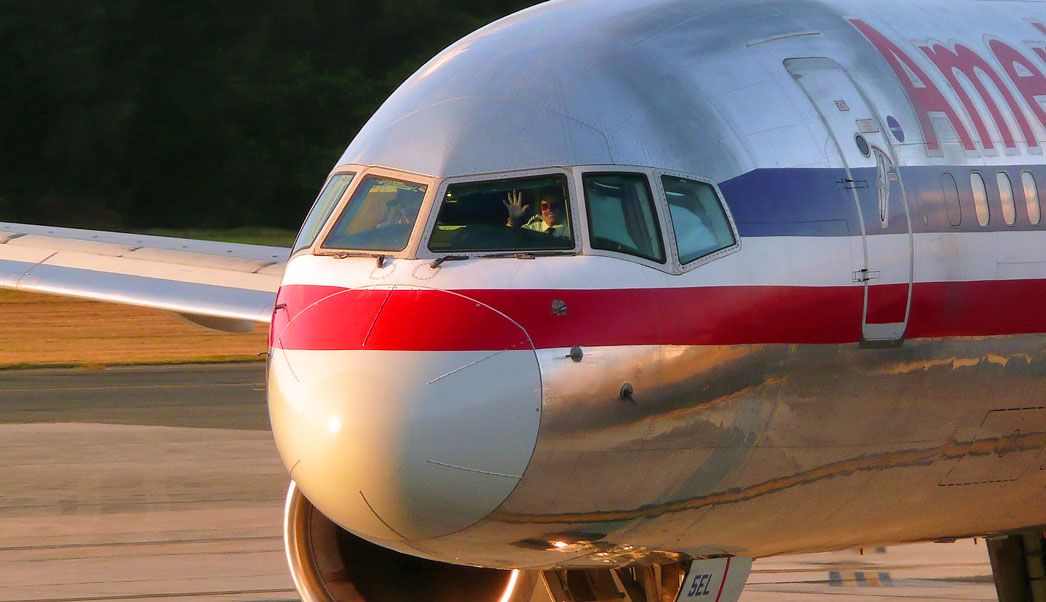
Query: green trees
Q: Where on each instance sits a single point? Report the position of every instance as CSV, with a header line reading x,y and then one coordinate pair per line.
x,y
137,113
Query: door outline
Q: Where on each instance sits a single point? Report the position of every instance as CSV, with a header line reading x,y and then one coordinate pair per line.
x,y
873,333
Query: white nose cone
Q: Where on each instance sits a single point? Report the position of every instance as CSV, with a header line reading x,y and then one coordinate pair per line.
x,y
406,445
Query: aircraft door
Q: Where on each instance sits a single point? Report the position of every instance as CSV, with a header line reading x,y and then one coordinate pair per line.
x,y
873,180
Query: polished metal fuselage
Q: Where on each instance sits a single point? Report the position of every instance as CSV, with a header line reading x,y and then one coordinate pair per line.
x,y
722,448
753,449
757,450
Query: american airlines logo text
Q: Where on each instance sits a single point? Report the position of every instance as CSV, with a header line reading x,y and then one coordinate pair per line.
x,y
1024,82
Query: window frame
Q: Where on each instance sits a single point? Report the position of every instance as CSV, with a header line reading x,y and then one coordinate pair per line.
x,y
341,170
1004,202
947,202
1027,200
668,266
422,250
986,201
362,173
670,226
653,207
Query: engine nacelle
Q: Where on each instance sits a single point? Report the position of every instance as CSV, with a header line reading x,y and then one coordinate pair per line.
x,y
330,564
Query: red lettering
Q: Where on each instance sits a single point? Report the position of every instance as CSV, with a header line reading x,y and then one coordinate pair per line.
x,y
1030,83
1039,50
976,69
926,98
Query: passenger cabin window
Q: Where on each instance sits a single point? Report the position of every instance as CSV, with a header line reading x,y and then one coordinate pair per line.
x,y
513,214
698,219
322,209
980,198
1009,212
1031,197
950,190
621,215
379,216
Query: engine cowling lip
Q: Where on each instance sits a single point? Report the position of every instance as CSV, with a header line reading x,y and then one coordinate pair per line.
x,y
303,570
315,582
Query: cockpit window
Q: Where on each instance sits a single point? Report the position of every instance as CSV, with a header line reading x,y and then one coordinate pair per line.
x,y
516,214
621,215
700,223
322,209
379,216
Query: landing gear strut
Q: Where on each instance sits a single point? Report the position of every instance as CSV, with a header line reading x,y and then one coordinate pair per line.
x,y
654,583
1019,566
719,579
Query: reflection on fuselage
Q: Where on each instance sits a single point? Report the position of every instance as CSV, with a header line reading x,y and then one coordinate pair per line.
x,y
744,449
761,322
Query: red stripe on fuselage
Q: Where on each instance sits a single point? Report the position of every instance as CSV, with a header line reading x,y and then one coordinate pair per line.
x,y
323,317
729,315
979,308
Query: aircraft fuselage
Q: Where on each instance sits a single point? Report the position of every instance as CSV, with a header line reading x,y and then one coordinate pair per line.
x,y
860,360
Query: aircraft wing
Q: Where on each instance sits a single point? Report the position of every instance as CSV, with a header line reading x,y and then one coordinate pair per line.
x,y
225,286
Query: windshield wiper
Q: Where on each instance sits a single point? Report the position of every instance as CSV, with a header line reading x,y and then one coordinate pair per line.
x,y
380,257
528,254
435,263
441,260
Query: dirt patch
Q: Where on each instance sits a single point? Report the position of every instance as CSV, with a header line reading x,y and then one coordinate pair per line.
x,y
45,330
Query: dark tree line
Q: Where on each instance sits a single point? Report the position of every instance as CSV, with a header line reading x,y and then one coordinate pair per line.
x,y
198,113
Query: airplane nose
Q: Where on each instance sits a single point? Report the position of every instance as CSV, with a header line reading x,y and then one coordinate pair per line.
x,y
403,414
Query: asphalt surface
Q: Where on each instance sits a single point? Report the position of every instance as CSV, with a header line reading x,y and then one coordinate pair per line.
x,y
162,483
936,572
223,396
140,483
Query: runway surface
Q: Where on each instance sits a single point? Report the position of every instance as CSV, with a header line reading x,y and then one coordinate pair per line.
x,y
926,571
143,483
163,483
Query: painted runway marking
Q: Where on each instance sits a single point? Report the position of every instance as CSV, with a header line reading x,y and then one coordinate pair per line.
x,y
860,579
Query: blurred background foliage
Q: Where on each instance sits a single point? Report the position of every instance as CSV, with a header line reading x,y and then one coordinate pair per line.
x,y
137,114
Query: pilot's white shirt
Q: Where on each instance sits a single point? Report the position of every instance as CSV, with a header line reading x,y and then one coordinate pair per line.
x,y
537,224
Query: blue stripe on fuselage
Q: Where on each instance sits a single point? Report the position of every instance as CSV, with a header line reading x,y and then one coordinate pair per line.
x,y
818,202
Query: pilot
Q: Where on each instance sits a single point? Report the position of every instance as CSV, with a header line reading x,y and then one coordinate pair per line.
x,y
394,214
550,219
401,209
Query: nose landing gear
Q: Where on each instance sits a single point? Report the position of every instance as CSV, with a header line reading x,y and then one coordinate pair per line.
x,y
719,579
635,584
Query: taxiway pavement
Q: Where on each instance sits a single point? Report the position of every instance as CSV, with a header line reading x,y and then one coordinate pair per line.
x,y
140,483
162,483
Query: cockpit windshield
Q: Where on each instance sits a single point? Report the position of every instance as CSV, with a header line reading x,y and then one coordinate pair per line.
x,y
379,216
513,214
322,209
